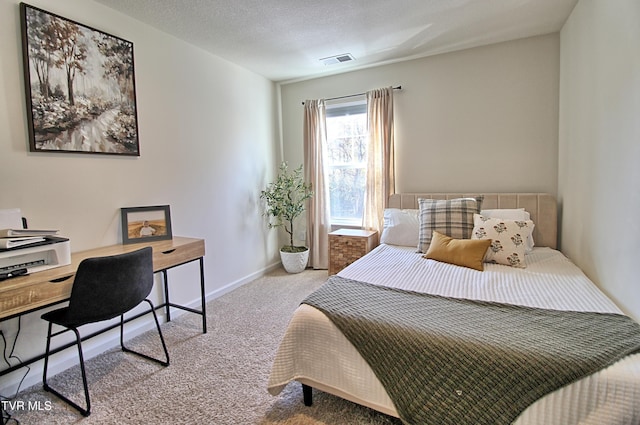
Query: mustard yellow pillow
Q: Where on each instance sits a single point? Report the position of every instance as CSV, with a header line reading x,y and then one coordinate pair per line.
x,y
461,252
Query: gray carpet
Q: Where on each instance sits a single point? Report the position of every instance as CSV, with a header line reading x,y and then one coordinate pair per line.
x,y
214,378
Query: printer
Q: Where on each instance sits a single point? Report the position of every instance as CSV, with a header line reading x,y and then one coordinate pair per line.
x,y
52,252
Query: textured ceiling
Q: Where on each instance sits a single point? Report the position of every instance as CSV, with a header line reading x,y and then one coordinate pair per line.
x,y
284,40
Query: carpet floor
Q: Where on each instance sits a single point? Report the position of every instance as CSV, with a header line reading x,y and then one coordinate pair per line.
x,y
215,378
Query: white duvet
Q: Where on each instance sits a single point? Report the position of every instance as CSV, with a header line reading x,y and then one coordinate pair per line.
x,y
313,351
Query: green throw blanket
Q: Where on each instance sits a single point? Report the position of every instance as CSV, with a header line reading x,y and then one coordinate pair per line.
x,y
453,361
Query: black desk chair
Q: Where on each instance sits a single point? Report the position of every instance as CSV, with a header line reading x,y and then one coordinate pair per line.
x,y
104,288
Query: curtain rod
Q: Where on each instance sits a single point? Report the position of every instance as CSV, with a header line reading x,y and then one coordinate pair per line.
x,y
354,95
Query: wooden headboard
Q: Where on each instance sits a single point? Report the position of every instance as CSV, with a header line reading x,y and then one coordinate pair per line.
x,y
541,206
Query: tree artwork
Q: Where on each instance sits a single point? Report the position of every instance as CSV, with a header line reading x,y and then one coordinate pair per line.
x,y
80,87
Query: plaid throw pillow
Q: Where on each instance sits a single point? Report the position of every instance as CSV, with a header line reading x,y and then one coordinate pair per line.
x,y
453,217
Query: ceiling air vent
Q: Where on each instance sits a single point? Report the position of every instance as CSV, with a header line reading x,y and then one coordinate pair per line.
x,y
331,60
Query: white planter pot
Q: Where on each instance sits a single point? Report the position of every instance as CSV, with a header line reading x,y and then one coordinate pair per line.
x,y
294,262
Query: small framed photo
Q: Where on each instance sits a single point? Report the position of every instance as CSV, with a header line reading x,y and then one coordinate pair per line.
x,y
145,224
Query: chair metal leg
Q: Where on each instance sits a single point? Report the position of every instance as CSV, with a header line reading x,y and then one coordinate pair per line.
x,y
45,385
46,357
164,345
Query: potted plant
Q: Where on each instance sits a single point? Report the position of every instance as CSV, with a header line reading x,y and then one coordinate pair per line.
x,y
285,199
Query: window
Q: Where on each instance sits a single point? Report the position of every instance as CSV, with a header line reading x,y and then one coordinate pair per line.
x,y
346,162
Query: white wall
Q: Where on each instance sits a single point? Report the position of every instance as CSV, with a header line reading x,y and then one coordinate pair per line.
x,y
482,119
208,141
599,155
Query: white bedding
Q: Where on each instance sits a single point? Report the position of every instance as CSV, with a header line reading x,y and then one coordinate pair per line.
x,y
313,351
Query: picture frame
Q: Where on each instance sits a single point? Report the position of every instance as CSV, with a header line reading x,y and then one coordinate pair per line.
x,y
80,87
146,224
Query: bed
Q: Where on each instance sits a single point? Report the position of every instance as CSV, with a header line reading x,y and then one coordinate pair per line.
x,y
317,354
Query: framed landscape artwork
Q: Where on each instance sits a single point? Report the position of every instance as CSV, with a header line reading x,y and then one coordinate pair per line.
x,y
80,87
144,224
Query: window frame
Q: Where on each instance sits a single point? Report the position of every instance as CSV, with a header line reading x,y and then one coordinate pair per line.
x,y
340,108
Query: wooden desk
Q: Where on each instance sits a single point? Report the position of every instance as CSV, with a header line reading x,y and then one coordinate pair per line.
x,y
24,294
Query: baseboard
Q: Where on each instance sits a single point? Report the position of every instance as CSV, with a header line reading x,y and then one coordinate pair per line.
x,y
238,283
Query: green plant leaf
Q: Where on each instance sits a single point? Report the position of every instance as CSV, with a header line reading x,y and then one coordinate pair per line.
x,y
286,198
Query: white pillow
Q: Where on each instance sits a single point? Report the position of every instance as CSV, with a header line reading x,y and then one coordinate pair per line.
x,y
512,214
507,213
401,227
508,238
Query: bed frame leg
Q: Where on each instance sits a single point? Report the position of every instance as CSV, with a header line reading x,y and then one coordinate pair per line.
x,y
307,395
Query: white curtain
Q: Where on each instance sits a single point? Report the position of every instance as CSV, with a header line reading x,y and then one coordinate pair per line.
x,y
380,166
318,213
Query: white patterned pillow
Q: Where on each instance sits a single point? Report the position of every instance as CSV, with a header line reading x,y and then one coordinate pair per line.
x,y
512,214
508,239
453,217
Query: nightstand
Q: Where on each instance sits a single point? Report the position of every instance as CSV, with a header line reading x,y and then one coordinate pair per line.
x,y
347,245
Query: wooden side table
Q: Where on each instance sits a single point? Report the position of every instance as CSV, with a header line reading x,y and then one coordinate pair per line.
x,y
347,245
